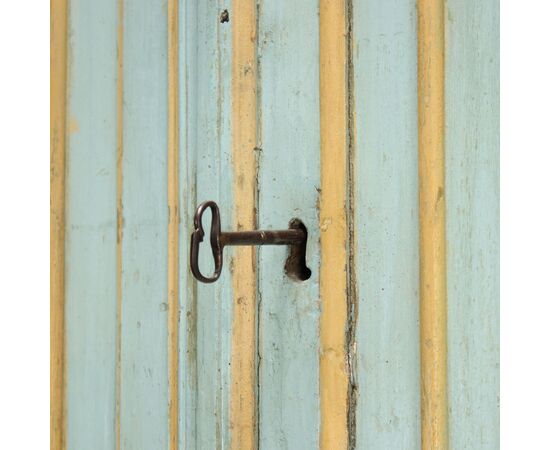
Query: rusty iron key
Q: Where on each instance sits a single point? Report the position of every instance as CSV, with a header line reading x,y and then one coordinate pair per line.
x,y
295,237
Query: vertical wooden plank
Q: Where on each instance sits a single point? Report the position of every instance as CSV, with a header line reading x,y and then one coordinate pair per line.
x,y
472,178
207,175
243,115
173,221
334,273
58,80
144,403
431,172
91,307
386,225
289,179
188,362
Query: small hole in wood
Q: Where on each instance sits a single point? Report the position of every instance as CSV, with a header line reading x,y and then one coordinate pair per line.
x,y
224,16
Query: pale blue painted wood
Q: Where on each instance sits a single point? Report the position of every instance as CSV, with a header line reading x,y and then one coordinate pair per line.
x,y
90,309
188,79
144,321
472,178
205,174
289,179
386,225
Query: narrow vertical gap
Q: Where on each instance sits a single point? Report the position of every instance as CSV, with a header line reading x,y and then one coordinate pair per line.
x,y
258,149
120,219
351,280
218,287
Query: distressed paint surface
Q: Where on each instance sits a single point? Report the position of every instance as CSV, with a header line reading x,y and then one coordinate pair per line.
x,y
206,171
144,304
386,225
91,226
289,179
472,177
188,195
252,139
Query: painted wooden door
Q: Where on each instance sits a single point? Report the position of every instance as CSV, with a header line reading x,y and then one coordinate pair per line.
x,y
376,124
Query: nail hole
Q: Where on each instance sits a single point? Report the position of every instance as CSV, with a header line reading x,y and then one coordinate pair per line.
x,y
224,16
295,266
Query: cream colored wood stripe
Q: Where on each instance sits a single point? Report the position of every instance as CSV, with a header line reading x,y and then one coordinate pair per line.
x,y
431,162
173,221
58,83
243,119
334,227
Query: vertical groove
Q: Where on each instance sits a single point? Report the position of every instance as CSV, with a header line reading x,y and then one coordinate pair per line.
x,y
433,289
350,195
58,110
243,119
173,221
258,149
333,216
120,219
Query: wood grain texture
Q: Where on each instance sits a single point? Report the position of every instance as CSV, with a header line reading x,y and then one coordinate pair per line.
x,y
386,225
433,272
173,221
334,370
58,108
289,179
188,361
144,403
244,143
91,218
206,174
472,180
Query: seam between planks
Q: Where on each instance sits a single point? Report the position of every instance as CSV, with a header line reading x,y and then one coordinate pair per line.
x,y
351,287
431,164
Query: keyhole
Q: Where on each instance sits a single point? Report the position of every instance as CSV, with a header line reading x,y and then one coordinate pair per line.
x,y
295,266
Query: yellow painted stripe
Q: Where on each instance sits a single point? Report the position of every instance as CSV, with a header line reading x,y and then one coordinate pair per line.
x,y
333,222
58,108
120,217
173,221
243,119
433,286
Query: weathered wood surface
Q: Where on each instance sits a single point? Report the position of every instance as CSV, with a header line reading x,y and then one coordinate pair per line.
x,y
91,228
124,308
288,340
472,178
144,301
386,225
205,174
